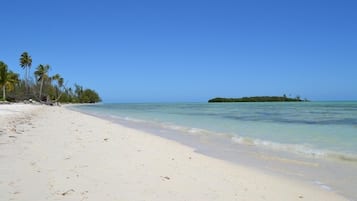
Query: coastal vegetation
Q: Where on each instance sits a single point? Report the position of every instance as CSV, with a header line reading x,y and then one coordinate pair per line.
x,y
283,98
42,86
8,79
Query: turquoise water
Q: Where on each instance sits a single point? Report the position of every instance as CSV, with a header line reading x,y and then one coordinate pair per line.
x,y
315,142
318,129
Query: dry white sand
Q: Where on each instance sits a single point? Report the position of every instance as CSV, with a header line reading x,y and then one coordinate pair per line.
x,y
52,153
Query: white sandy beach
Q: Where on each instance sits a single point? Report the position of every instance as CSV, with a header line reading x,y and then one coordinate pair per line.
x,y
53,153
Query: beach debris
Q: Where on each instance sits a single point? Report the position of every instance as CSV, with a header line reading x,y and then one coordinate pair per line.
x,y
300,196
166,177
11,136
106,139
84,192
67,192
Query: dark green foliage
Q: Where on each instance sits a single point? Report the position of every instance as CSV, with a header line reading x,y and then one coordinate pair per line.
x,y
8,79
89,96
257,99
79,96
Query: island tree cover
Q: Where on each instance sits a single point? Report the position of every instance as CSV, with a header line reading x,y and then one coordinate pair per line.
x,y
257,99
42,87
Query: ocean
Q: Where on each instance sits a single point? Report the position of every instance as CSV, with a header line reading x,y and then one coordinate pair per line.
x,y
312,141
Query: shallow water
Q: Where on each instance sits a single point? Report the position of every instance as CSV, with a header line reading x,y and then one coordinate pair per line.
x,y
312,141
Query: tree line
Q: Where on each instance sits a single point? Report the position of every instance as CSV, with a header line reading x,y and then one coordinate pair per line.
x,y
42,86
283,98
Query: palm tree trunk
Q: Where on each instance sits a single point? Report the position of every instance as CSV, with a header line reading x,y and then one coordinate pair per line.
x,y
4,92
26,74
26,82
41,89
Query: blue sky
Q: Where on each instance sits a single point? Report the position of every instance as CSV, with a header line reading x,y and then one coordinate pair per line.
x,y
159,51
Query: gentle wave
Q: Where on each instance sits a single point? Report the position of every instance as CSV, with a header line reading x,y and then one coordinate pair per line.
x,y
301,149
322,185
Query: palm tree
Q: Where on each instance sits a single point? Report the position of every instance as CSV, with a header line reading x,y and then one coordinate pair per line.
x,y
56,77
59,79
25,63
7,79
3,76
59,85
60,82
78,91
41,75
11,80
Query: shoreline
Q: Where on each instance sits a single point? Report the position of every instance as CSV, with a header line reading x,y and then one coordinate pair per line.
x,y
65,154
327,173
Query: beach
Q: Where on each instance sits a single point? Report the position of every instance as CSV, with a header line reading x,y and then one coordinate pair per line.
x,y
53,153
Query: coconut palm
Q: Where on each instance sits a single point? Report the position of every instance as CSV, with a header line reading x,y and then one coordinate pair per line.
x,y
59,79
8,79
59,85
3,76
56,77
11,81
60,82
41,74
25,63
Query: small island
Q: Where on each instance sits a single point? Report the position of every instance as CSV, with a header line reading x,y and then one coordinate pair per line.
x,y
258,99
